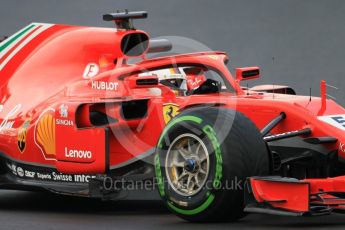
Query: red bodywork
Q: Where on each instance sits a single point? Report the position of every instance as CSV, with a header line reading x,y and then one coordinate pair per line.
x,y
54,76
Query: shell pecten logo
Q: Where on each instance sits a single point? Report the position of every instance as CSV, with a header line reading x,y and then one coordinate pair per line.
x,y
45,135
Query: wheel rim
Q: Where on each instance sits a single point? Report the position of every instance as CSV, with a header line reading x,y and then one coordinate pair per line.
x,y
187,164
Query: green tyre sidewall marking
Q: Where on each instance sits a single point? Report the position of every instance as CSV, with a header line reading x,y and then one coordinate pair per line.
x,y
211,134
217,150
159,176
195,211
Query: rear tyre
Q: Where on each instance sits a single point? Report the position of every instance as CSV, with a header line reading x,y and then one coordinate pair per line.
x,y
203,158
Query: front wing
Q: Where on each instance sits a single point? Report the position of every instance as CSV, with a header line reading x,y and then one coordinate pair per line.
x,y
292,197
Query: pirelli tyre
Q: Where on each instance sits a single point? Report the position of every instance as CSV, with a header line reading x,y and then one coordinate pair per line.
x,y
203,158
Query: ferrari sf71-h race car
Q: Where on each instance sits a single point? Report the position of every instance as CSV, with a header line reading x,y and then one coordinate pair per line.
x,y
82,107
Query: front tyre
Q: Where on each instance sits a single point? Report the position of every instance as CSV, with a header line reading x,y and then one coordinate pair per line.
x,y
203,158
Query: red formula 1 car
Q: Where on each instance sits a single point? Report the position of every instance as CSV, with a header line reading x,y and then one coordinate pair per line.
x,y
83,107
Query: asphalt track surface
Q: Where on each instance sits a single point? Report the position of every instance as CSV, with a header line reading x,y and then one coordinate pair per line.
x,y
31,210
295,42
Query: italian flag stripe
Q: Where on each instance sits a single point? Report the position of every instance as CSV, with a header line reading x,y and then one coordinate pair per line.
x,y
15,37
16,42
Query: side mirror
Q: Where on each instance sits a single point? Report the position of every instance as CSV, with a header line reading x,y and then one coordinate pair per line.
x,y
143,82
247,73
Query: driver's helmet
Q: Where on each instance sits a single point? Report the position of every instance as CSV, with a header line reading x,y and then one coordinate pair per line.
x,y
173,79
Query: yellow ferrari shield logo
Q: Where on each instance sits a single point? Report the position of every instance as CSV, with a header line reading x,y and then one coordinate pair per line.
x,y
170,111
